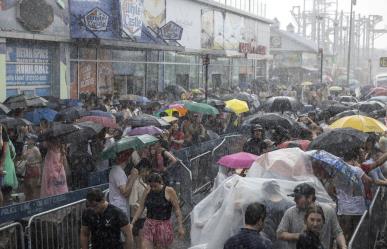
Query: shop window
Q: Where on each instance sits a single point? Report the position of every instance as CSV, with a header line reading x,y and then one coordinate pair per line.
x,y
152,79
216,81
105,78
88,53
124,55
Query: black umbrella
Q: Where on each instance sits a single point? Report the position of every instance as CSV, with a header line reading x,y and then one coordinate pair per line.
x,y
59,131
339,141
146,120
270,120
4,109
241,96
213,102
175,90
53,102
382,99
370,106
11,122
336,109
86,130
24,101
70,114
282,104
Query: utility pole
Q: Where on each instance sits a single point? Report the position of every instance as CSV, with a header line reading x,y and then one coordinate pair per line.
x,y
350,41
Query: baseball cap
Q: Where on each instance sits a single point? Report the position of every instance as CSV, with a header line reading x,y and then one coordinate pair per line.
x,y
303,189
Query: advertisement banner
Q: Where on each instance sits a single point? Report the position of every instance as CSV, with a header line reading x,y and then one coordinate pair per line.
x,y
132,13
154,13
28,64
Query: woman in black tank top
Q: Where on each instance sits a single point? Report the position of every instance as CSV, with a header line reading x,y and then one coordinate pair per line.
x,y
159,201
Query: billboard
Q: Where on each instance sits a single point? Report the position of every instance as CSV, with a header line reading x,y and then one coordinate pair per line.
x,y
132,13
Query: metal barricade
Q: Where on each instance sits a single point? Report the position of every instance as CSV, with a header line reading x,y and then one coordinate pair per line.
x,y
359,238
56,228
202,172
12,236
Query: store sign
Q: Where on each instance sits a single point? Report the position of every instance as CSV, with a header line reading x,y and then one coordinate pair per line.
x,y
275,41
28,65
251,48
383,61
171,31
132,12
96,20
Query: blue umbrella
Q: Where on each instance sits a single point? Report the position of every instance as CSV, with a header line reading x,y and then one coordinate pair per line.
x,y
39,114
72,102
335,165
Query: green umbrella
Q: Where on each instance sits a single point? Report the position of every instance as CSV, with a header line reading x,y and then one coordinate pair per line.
x,y
199,107
126,143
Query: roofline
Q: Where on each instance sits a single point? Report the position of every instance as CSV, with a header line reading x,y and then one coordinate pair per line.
x,y
234,10
293,39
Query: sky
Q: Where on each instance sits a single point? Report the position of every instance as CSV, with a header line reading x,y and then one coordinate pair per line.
x,y
281,10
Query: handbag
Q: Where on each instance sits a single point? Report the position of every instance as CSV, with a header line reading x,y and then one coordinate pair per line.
x,y
20,168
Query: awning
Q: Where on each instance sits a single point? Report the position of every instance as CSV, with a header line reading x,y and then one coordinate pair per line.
x,y
139,45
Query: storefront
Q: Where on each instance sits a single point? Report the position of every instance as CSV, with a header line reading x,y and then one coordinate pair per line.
x,y
34,48
166,50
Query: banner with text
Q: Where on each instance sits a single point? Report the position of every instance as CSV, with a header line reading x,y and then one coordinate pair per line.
x,y
132,13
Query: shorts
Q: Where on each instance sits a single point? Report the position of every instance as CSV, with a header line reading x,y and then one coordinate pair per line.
x,y
138,226
159,232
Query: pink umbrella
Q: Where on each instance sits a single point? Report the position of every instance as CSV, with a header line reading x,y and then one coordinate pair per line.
x,y
241,160
150,130
104,121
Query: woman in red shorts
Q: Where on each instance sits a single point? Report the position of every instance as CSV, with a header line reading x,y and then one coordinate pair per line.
x,y
159,201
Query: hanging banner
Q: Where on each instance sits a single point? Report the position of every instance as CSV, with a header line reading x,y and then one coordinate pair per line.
x,y
132,13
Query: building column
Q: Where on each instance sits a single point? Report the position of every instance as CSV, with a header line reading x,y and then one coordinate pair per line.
x,y
61,70
3,74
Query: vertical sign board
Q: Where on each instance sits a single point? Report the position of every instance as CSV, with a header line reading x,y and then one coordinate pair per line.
x,y
28,65
132,12
383,61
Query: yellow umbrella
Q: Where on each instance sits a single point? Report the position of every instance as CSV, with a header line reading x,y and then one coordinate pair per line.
x,y
169,119
335,88
306,83
237,106
361,123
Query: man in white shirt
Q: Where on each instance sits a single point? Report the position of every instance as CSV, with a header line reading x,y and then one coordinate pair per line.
x,y
120,186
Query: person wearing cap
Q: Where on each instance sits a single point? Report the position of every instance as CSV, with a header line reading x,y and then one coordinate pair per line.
x,y
255,145
292,223
33,166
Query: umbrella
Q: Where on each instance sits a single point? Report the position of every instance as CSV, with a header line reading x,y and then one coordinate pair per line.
x,y
361,123
213,102
370,106
151,130
270,120
237,106
4,109
241,96
335,109
175,90
104,121
10,122
199,107
53,102
379,91
307,83
99,114
72,102
58,130
169,119
39,114
24,101
86,131
302,144
334,166
126,143
347,113
169,109
282,104
146,120
97,128
339,141
382,99
335,89
70,114
241,160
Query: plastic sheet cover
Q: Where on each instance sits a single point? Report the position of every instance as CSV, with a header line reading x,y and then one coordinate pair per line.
x,y
221,214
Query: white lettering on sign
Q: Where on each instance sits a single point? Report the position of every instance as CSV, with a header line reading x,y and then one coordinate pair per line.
x,y
132,12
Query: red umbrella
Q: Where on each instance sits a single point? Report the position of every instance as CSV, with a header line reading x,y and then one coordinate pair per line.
x,y
379,91
104,121
241,160
302,144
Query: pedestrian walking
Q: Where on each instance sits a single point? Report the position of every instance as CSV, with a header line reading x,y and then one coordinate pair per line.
x,y
103,224
159,200
314,220
292,224
249,237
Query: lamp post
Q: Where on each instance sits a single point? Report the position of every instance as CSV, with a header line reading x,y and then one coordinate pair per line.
x,y
353,2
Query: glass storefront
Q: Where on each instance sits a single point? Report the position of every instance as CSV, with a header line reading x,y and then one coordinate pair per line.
x,y
114,72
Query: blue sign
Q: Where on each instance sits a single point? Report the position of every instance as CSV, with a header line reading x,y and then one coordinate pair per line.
x,y
27,209
28,64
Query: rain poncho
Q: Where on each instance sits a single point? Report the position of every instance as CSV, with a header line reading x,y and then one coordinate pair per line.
x,y
10,178
221,214
54,175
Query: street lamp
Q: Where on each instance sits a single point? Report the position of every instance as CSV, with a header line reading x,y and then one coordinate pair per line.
x,y
353,2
